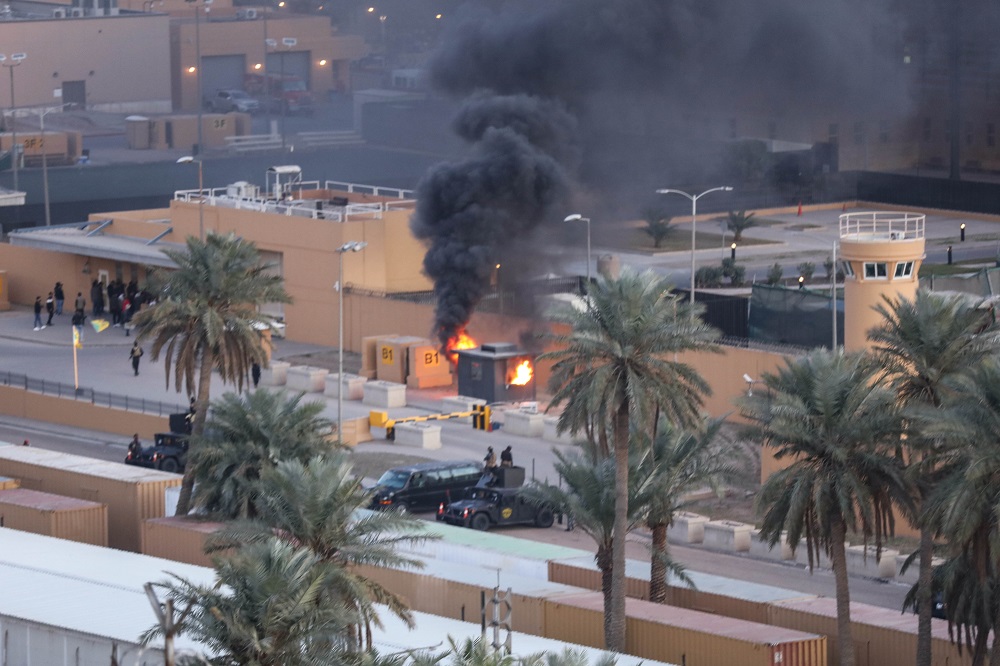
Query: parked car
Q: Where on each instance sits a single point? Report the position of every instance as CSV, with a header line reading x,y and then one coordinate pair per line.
x,y
485,507
168,453
225,101
422,487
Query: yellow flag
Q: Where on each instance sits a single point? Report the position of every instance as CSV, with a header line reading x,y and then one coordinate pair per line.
x,y
76,338
99,324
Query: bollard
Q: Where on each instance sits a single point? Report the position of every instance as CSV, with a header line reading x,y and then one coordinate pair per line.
x,y
949,255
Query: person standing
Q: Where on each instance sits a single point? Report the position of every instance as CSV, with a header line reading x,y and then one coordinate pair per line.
x,y
81,302
255,373
50,308
506,458
79,319
60,297
38,313
135,446
134,356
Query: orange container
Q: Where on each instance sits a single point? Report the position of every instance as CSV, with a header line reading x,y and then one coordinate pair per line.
x,y
178,538
54,516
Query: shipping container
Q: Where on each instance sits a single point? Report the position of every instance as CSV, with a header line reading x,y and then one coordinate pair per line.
x,y
178,538
54,515
681,636
132,494
711,594
882,636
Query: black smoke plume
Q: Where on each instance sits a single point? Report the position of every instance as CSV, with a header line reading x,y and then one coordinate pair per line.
x,y
517,177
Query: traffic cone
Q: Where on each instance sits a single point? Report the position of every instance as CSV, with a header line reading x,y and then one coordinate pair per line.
x,y
800,209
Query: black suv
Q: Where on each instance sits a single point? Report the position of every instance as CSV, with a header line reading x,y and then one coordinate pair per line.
x,y
485,507
168,453
422,487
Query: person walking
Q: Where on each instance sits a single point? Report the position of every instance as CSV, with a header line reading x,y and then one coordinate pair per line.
x,y
134,356
38,313
60,297
50,308
79,319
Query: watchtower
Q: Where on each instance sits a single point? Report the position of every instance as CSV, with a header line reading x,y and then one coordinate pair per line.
x,y
882,253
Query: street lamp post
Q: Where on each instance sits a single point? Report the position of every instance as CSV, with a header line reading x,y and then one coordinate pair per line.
x,y
15,60
694,224
45,162
350,246
576,217
188,159
197,72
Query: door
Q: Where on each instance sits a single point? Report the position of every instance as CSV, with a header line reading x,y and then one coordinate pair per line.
x,y
296,63
222,73
75,93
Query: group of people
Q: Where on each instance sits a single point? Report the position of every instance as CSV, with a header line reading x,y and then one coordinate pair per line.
x,y
490,461
53,306
122,301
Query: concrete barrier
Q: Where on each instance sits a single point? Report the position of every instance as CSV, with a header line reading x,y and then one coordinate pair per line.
x,y
384,394
864,561
422,434
821,561
276,374
760,548
353,386
728,535
687,528
307,378
913,571
550,431
524,424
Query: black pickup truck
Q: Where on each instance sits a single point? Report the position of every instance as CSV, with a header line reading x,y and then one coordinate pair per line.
x,y
486,506
169,450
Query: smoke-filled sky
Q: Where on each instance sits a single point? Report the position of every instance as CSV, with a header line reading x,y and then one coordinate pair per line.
x,y
611,93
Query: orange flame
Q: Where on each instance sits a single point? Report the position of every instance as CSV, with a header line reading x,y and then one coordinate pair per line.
x,y
522,374
460,341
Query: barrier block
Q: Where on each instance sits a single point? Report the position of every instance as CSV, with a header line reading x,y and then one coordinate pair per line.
x,y
862,561
760,548
550,432
422,434
353,386
384,394
307,378
687,528
525,424
728,535
276,374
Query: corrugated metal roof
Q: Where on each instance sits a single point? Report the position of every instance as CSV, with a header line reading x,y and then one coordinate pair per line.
x,y
69,560
68,461
103,246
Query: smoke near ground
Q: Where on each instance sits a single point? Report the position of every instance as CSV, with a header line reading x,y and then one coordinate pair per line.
x,y
470,211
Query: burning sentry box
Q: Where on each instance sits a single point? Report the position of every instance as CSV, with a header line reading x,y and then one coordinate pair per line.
x,y
496,372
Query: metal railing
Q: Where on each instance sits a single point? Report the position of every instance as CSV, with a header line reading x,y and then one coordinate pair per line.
x,y
83,394
875,226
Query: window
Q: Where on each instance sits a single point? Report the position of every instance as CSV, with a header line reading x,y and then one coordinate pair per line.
x,y
904,269
847,268
876,270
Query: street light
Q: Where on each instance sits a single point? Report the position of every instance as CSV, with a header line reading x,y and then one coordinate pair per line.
x,y
15,60
197,57
350,246
45,161
694,223
576,217
188,159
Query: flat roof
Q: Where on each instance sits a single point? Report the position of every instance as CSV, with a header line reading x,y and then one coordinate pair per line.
x,y
76,239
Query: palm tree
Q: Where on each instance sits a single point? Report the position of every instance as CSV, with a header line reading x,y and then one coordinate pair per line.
x,y
588,499
739,222
317,505
826,414
923,345
246,435
617,367
964,505
267,609
207,318
678,462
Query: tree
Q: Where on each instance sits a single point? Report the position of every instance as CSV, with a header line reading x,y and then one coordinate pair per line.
x,y
963,506
267,609
740,222
922,346
826,414
775,275
588,499
314,505
657,226
207,318
678,462
618,365
806,269
246,435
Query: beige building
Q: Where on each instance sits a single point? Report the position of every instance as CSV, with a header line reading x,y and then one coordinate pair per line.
x,y
141,57
297,226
